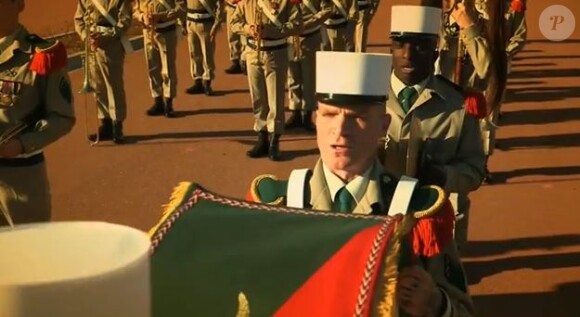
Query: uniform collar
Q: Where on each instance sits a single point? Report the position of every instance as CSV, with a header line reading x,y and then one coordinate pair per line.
x,y
13,42
356,187
398,85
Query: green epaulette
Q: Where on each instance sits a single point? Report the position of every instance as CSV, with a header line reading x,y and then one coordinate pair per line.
x,y
427,201
268,189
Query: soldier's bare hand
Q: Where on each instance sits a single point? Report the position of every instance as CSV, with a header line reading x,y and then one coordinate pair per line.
x,y
95,41
11,148
461,16
254,32
417,294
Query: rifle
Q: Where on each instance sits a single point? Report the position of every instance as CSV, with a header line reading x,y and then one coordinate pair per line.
x,y
12,132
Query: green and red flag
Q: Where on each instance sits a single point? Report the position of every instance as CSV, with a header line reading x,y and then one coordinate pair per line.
x,y
217,256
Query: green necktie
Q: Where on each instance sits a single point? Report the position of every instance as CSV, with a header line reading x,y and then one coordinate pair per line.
x,y
407,98
344,202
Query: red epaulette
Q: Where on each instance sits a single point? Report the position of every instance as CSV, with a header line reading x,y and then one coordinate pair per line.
x,y
49,58
433,232
475,104
518,5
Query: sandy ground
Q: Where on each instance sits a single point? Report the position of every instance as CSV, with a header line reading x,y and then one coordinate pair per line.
x,y
524,257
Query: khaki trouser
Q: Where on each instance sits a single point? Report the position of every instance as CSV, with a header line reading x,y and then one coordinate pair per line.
x,y
302,74
107,77
361,31
160,53
25,194
201,50
488,128
267,81
234,40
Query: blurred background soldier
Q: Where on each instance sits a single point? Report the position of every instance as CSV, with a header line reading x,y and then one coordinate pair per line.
x,y
340,25
203,21
267,26
235,41
472,55
301,67
366,11
105,23
160,20
36,109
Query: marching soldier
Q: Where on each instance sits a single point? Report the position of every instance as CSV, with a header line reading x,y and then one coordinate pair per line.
x,y
235,41
466,54
203,21
430,137
517,29
267,26
348,179
341,24
301,65
105,23
160,19
366,12
36,109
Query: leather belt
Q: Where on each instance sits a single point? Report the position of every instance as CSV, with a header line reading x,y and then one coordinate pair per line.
x,y
268,44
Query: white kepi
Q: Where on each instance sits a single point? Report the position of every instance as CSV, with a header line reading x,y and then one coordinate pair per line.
x,y
415,20
74,269
352,78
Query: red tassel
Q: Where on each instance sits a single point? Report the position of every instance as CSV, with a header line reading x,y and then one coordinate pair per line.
x,y
433,233
518,5
296,2
475,104
46,61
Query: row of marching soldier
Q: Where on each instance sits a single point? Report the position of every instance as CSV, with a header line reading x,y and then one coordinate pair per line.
x,y
328,24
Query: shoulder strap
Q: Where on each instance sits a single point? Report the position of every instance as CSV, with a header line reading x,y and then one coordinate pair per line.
x,y
402,197
104,12
207,7
297,182
310,7
165,4
268,12
340,8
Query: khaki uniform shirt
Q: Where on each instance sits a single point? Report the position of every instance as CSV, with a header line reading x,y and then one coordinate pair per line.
x,y
23,91
119,10
177,11
216,6
450,137
288,15
476,55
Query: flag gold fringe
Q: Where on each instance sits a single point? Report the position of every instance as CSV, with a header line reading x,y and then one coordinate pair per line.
x,y
387,306
177,197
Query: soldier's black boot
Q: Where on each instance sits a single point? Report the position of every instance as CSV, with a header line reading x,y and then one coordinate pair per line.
x,y
235,68
261,148
168,110
295,120
118,136
197,88
105,131
244,67
307,121
487,178
274,150
207,87
157,107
